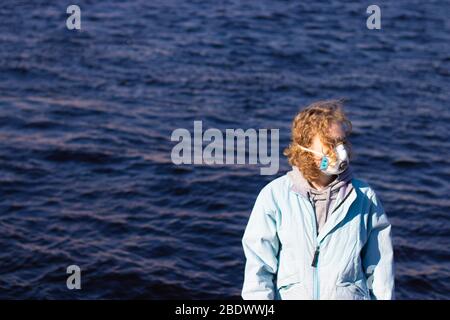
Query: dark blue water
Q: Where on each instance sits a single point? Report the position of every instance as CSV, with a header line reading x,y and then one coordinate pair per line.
x,y
86,118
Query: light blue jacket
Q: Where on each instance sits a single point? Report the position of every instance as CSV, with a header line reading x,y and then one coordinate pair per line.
x,y
353,251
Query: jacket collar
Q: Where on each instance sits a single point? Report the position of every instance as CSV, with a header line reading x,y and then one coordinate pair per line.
x,y
338,213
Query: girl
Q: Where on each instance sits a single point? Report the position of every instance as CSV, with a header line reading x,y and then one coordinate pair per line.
x,y
317,232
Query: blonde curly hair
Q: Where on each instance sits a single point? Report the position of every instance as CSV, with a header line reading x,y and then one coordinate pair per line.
x,y
316,119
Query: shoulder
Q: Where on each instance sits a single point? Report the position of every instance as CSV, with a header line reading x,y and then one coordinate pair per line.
x,y
362,187
274,192
276,187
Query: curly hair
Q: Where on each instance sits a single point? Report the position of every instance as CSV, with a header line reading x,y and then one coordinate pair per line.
x,y
313,120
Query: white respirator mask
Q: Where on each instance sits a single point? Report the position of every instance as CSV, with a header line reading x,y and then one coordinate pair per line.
x,y
341,164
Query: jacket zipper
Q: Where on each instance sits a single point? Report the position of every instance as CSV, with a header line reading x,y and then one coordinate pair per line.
x,y
316,257
315,264
315,261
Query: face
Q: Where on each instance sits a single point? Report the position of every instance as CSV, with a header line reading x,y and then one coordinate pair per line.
x,y
336,132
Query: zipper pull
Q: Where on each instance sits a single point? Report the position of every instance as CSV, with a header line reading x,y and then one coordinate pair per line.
x,y
316,257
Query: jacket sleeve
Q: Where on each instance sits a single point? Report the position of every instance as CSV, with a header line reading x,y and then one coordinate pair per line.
x,y
261,244
378,254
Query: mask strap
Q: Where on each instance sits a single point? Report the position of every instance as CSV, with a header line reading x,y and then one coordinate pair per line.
x,y
318,153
